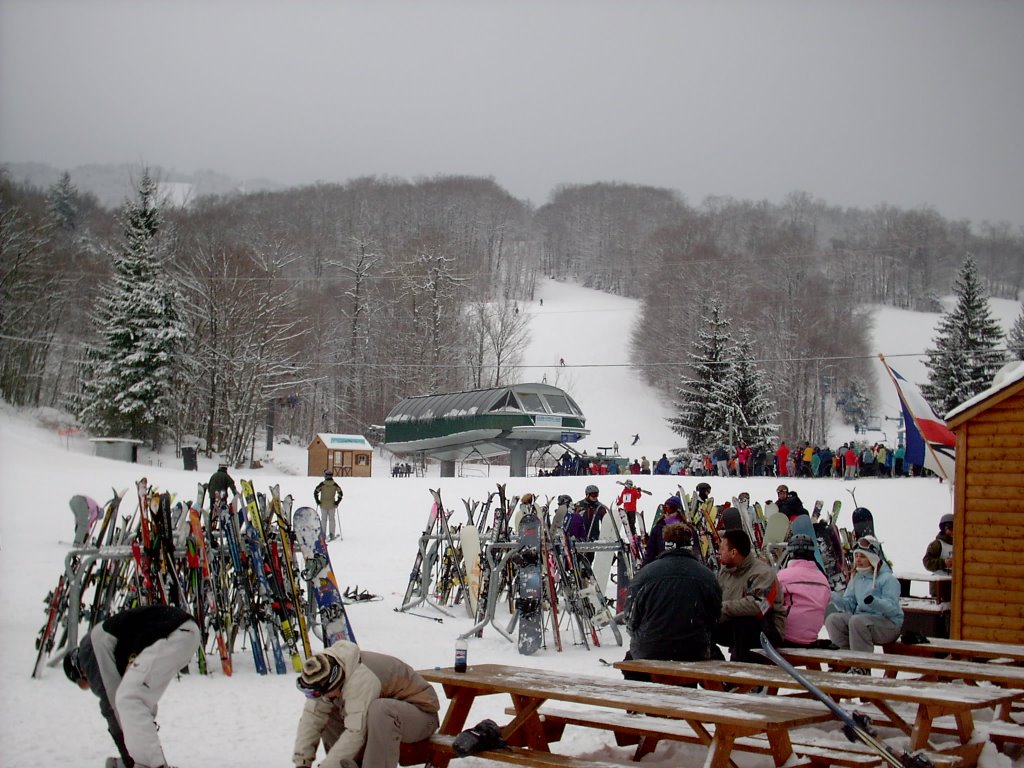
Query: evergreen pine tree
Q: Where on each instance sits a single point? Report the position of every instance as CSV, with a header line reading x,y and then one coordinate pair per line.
x,y
61,203
701,413
966,355
748,392
1015,338
128,389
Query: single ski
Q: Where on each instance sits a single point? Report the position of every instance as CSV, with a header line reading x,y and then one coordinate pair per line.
x,y
856,726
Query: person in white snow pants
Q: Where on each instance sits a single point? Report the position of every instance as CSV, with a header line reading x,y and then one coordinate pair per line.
x,y
128,661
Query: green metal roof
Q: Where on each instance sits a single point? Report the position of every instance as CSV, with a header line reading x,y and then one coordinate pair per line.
x,y
487,421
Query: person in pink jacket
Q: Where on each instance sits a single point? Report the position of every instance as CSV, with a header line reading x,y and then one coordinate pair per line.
x,y
807,593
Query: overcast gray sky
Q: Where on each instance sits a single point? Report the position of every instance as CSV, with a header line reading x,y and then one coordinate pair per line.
x,y
860,103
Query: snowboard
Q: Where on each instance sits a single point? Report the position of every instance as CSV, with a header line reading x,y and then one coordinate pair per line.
x,y
732,519
529,589
470,537
602,566
776,532
312,542
863,522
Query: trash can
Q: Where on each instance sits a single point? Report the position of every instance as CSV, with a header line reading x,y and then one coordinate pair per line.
x,y
188,456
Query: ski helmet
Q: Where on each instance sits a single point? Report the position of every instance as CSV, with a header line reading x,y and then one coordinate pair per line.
x,y
945,520
72,668
592,490
801,543
703,487
328,473
628,483
673,502
565,500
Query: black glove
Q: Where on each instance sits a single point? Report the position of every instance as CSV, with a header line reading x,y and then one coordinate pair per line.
x,y
869,600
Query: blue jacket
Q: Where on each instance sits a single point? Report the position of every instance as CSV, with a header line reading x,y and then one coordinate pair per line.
x,y
884,590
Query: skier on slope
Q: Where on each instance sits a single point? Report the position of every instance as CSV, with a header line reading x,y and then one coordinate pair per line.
x,y
328,495
128,662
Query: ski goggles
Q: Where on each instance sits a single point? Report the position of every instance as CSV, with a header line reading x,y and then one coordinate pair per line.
x,y
867,544
322,687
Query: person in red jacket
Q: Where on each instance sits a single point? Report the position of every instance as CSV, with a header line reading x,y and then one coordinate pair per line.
x,y
743,454
627,500
782,459
850,464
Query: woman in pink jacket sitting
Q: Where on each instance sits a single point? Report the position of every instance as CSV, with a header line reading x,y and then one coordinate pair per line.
x,y
807,593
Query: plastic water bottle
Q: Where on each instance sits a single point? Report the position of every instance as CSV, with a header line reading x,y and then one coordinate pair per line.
x,y
461,651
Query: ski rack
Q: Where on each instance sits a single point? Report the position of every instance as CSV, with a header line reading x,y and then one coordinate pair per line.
x,y
425,576
88,555
494,587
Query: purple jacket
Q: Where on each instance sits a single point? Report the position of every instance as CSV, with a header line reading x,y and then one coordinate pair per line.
x,y
807,595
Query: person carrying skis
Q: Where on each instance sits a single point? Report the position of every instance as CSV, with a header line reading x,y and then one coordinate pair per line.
x,y
128,661
627,500
328,495
806,594
752,600
671,512
673,604
869,612
360,701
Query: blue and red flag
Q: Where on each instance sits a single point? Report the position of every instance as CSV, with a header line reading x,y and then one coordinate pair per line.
x,y
930,443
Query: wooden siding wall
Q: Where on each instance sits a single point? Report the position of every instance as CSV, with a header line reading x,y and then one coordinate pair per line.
x,y
988,601
316,461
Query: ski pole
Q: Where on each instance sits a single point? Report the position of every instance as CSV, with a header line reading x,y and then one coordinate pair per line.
x,y
420,615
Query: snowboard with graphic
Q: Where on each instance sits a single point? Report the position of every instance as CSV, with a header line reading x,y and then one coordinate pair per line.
x,y
317,571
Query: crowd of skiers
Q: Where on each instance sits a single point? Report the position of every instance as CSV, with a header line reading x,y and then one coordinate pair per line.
x,y
849,461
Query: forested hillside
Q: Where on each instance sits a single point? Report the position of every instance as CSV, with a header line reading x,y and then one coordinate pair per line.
x,y
320,307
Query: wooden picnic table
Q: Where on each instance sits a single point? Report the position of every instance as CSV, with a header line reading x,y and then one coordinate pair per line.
x,y
931,699
717,718
967,650
923,667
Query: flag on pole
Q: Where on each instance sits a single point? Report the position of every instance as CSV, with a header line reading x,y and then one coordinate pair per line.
x,y
930,443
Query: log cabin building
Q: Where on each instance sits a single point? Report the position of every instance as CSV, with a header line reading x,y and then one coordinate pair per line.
x,y
988,509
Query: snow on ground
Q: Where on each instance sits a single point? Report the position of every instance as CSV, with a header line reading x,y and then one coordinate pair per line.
x,y
248,721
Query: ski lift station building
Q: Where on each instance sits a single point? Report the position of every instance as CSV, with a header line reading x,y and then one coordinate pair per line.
x,y
513,419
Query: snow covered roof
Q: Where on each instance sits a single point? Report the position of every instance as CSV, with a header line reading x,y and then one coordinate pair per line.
x,y
1008,375
350,442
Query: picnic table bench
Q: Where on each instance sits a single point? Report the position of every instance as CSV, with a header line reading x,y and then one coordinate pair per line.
x,y
930,700
717,719
966,650
923,667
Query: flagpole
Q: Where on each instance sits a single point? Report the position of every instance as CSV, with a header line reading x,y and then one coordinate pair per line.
x,y
913,416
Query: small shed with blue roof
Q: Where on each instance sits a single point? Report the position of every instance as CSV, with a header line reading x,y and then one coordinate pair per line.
x,y
344,455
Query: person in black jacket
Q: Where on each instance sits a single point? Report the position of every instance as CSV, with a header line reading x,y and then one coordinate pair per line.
x,y
674,604
128,662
